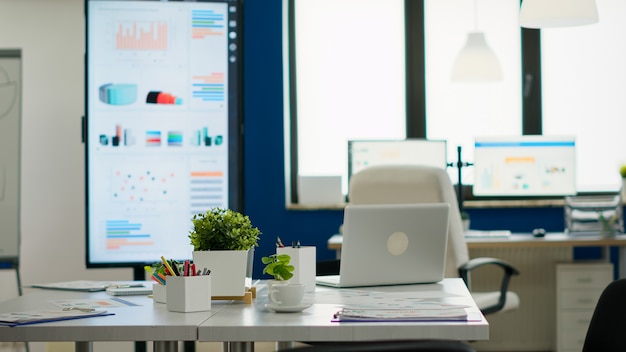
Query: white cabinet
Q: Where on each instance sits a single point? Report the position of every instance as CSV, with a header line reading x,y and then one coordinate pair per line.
x,y
578,287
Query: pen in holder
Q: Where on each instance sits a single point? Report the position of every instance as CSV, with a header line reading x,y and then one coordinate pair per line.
x,y
303,259
188,293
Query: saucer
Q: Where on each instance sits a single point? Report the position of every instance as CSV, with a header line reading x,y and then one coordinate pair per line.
x,y
287,309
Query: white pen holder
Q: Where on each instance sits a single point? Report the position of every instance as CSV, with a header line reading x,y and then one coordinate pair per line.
x,y
159,293
304,260
188,293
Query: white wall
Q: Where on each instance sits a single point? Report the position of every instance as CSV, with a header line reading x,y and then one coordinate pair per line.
x,y
51,35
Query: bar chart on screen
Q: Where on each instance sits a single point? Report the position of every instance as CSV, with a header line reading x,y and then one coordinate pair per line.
x,y
141,35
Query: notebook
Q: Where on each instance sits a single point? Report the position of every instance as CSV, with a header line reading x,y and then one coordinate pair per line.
x,y
129,291
391,244
85,285
45,316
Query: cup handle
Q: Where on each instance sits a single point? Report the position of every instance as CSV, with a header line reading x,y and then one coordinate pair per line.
x,y
272,296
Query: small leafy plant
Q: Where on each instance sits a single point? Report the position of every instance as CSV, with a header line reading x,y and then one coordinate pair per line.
x,y
157,268
223,229
278,266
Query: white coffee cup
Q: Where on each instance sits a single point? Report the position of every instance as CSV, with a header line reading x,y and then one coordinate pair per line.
x,y
286,295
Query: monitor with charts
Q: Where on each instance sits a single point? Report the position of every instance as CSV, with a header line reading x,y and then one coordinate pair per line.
x,y
163,124
365,153
527,166
392,244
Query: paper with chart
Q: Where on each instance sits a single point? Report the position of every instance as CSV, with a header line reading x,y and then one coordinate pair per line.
x,y
44,316
402,314
93,303
363,306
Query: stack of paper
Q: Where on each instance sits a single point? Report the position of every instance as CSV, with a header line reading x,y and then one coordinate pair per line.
x,y
400,315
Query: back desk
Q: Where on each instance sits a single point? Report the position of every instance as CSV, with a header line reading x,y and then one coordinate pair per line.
x,y
557,239
533,327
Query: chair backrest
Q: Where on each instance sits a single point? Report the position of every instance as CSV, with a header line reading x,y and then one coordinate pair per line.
x,y
399,184
608,323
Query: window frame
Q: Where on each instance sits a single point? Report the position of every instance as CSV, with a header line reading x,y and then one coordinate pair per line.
x,y
415,78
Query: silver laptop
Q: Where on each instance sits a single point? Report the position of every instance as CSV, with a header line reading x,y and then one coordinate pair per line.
x,y
391,244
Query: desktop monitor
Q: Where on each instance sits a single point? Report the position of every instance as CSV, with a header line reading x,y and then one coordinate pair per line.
x,y
365,153
531,166
162,126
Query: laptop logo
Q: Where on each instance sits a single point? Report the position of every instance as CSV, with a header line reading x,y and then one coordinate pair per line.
x,y
397,243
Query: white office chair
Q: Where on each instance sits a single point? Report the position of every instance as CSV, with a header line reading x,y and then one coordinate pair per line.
x,y
423,184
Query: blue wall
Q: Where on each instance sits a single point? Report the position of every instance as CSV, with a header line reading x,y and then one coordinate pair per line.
x,y
264,185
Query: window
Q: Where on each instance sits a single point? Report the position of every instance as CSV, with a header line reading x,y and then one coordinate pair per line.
x,y
460,111
571,82
583,76
349,56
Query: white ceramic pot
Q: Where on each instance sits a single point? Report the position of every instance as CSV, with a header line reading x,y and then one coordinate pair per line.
x,y
231,271
272,282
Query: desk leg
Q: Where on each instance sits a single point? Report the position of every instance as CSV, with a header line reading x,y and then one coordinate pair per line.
x,y
165,346
238,347
189,346
83,346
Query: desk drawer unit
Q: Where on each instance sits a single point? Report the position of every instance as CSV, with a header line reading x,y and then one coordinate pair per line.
x,y
579,286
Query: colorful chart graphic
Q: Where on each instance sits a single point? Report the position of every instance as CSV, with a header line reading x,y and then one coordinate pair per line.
x,y
206,23
117,94
207,190
175,138
155,97
137,35
208,88
136,185
153,138
122,136
121,233
203,138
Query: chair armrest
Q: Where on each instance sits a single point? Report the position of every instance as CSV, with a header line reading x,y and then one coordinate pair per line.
x,y
509,270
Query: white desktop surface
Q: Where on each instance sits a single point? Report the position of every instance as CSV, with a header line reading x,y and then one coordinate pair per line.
x,y
234,322
148,322
249,323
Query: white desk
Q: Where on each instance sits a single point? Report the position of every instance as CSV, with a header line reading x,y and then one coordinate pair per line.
x,y
147,322
552,239
236,323
240,325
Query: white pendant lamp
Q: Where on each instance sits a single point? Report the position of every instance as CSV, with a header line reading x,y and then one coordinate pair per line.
x,y
476,62
557,13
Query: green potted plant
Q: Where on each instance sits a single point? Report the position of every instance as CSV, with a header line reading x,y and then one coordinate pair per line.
x,y
223,241
278,266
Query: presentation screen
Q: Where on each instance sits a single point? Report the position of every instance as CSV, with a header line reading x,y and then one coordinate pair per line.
x,y
364,153
524,166
162,126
